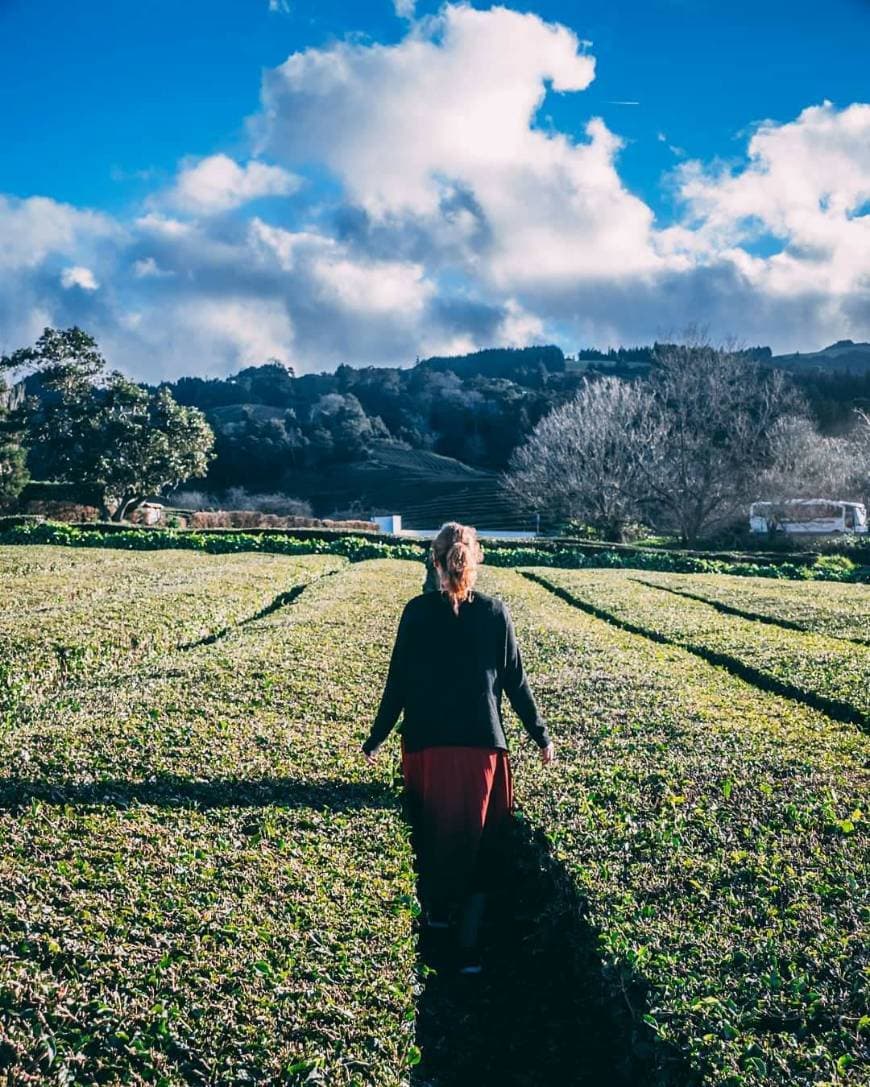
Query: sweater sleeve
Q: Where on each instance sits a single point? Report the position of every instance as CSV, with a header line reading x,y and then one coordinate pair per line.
x,y
516,686
393,697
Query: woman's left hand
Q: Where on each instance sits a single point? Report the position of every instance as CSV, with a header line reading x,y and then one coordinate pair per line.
x,y
370,756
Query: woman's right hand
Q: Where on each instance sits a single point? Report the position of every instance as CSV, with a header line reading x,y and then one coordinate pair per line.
x,y
548,753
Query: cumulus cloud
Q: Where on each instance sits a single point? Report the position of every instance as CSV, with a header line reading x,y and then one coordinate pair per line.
x,y
217,183
438,133
78,276
452,221
35,229
806,184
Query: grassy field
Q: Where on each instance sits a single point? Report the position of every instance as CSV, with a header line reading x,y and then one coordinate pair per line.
x,y
828,673
75,614
201,880
841,611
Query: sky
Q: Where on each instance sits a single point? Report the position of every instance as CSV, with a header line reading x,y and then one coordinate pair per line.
x,y
205,186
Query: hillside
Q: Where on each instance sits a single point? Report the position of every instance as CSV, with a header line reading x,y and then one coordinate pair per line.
x,y
426,488
844,356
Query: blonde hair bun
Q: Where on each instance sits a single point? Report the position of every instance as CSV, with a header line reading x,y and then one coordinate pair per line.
x,y
457,551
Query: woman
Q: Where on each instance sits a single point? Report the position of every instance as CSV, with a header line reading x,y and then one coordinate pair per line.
x,y
455,653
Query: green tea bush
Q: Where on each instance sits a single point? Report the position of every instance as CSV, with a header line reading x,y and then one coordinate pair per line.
x,y
69,614
717,835
841,611
831,674
201,880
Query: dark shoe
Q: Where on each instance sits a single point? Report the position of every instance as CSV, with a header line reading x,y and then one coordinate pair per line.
x,y
468,961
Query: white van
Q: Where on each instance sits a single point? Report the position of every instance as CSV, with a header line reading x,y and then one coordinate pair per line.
x,y
816,516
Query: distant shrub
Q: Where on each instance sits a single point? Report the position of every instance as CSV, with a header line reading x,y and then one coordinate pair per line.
x,y
233,519
255,519
237,498
357,547
237,504
59,510
833,568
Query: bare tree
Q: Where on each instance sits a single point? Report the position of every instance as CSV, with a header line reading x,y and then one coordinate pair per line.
x,y
715,410
807,464
586,458
859,441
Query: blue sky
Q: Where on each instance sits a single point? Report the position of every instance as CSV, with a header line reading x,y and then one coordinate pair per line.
x,y
107,103
121,88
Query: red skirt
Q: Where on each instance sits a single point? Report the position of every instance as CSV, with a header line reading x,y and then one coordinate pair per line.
x,y
460,801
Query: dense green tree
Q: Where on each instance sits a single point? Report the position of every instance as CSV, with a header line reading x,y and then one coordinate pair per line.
x,y
257,449
278,430
145,443
99,428
272,384
13,457
341,430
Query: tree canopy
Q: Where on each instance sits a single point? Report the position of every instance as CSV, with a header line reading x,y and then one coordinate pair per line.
x,y
93,426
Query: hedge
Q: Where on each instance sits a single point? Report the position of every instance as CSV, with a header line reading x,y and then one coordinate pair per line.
x,y
359,547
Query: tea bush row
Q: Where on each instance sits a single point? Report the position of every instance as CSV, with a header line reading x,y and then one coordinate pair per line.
x,y
841,611
69,614
202,881
717,835
828,672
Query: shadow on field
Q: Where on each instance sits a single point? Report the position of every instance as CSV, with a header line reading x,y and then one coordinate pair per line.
x,y
542,1012
168,791
282,600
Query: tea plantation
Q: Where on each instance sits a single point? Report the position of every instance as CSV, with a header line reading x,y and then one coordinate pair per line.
x,y
203,882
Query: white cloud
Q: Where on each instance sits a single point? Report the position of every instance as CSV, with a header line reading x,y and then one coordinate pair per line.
x,y
360,285
413,130
33,229
803,184
78,276
405,9
251,330
162,225
146,267
217,183
453,99
458,223
519,328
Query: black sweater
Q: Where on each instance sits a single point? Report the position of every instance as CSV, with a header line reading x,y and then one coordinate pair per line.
x,y
447,673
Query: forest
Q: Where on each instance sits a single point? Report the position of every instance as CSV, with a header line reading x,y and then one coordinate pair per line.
x,y
271,425
440,438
